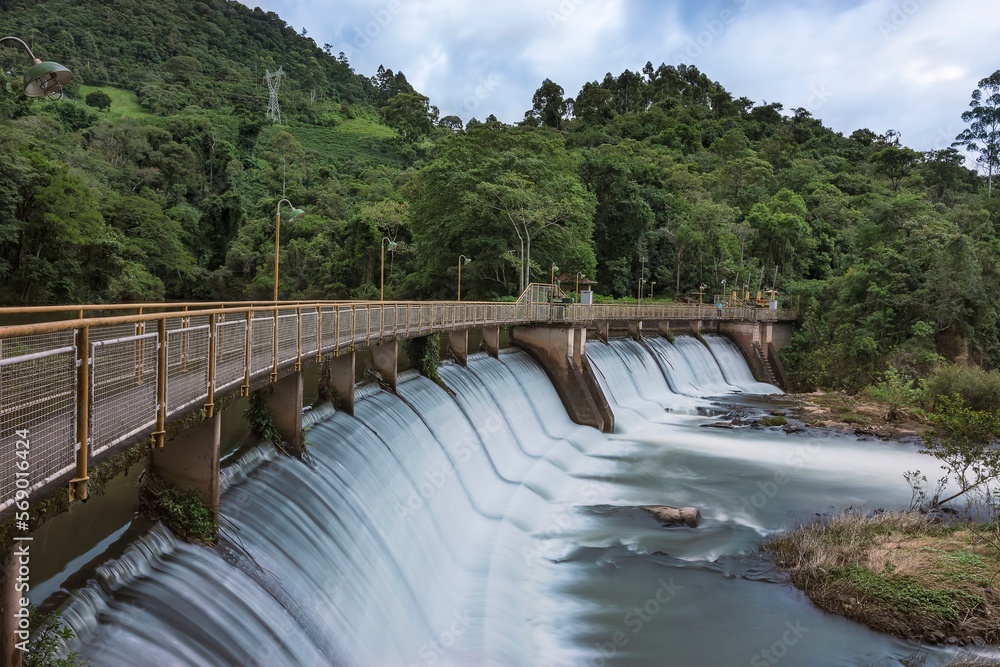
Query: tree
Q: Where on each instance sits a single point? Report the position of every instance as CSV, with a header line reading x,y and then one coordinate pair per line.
x,y
99,99
983,134
548,106
410,114
895,163
964,441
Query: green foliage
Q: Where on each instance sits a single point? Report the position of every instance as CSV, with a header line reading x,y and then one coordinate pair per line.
x,y
773,420
906,596
99,100
896,391
425,355
260,420
964,442
181,510
978,389
48,637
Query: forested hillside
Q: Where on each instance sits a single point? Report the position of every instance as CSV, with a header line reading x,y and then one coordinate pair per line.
x,y
893,255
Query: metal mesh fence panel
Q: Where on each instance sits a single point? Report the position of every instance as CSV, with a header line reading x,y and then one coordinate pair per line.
x,y
348,317
310,322
24,345
37,417
121,330
288,335
230,353
261,344
374,327
187,367
123,375
330,333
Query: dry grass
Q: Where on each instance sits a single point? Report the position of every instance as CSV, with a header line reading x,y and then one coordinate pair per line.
x,y
897,573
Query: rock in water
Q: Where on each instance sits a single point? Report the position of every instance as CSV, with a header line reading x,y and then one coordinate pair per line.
x,y
674,516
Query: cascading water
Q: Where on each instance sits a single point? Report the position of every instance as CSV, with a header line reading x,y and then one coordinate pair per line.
x,y
734,367
482,527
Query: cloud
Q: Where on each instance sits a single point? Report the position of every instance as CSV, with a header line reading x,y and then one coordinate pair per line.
x,y
909,65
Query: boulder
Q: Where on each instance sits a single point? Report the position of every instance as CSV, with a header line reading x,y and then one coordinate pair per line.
x,y
674,516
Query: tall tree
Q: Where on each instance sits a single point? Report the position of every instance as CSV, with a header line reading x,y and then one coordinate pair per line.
x,y
983,133
548,106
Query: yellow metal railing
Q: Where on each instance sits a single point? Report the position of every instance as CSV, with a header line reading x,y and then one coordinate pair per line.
x,y
73,388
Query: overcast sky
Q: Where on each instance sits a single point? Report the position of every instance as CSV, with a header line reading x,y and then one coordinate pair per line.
x,y
908,65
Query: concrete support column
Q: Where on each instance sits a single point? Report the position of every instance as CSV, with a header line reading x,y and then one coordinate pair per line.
x,y
603,328
191,459
663,328
341,373
458,345
385,358
635,329
285,406
560,351
491,341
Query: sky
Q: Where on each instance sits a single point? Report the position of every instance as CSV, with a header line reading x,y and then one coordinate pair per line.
x,y
907,65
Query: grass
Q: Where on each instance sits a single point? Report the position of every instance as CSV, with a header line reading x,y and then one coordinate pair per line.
x,y
355,139
123,102
897,573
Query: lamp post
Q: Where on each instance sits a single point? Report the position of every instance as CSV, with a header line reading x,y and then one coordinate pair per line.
x,y
277,238
651,286
552,279
701,291
462,259
641,281
578,276
43,79
391,245
724,295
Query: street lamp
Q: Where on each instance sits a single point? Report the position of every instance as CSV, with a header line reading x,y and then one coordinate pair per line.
x,y
701,291
277,237
578,276
462,259
641,281
42,79
391,245
651,286
552,280
725,297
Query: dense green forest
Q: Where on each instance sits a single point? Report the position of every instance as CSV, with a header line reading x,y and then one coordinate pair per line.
x,y
166,184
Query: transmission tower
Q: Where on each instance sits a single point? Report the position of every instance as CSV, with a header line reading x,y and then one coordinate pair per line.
x,y
273,84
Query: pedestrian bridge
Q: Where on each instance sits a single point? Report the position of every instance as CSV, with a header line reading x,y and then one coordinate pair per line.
x,y
79,383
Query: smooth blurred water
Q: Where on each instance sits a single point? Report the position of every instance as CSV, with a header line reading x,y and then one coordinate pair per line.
x,y
480,526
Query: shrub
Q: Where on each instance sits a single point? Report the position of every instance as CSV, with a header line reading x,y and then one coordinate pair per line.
x,y
979,389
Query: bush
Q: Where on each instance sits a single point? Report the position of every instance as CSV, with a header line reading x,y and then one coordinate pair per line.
x,y
897,391
979,389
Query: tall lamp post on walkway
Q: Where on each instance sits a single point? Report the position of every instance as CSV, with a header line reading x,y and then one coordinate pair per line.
x,y
462,259
391,245
578,276
43,79
552,280
277,237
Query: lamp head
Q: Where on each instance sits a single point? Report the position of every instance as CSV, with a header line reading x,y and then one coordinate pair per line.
x,y
391,245
46,79
294,213
467,259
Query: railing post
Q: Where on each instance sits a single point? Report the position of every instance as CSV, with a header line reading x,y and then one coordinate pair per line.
x,y
140,328
298,339
185,322
245,388
78,485
274,348
319,334
213,345
161,382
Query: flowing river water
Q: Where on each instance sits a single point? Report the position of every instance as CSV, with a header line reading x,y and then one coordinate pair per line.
x,y
479,526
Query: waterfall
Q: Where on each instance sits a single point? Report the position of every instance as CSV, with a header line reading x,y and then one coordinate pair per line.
x,y
475,524
735,367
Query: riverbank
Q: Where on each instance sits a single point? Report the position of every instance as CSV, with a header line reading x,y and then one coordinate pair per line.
x,y
840,412
899,573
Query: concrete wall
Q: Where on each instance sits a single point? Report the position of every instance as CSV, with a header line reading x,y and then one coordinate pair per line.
x,y
561,352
